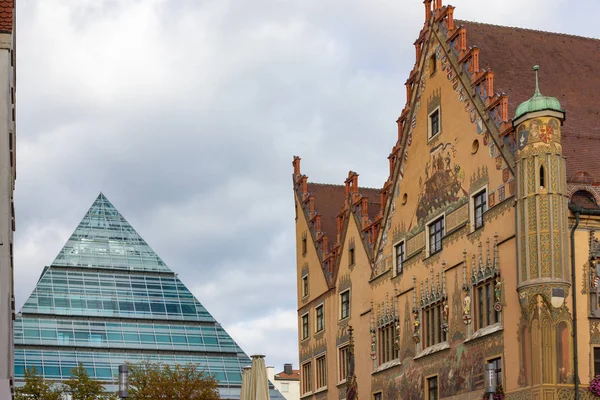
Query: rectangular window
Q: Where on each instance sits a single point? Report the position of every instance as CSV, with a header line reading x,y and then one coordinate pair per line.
x,y
596,361
306,378
351,260
484,302
387,348
343,363
432,388
436,232
432,64
320,320
433,332
345,304
305,331
304,246
479,207
399,258
285,387
498,369
434,123
321,372
305,285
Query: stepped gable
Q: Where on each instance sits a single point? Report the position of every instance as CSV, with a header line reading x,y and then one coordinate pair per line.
x,y
327,208
329,201
568,67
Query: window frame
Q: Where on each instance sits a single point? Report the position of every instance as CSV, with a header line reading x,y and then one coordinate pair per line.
x,y
320,379
432,317
306,369
486,314
304,245
402,244
341,304
305,287
430,134
499,373
342,375
322,307
305,331
440,218
433,64
475,207
428,386
386,336
594,361
378,395
351,257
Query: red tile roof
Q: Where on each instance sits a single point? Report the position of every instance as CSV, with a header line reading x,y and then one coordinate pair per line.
x,y
568,71
329,201
294,376
6,15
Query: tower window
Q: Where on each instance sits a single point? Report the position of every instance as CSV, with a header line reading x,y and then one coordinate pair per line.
x,y
542,177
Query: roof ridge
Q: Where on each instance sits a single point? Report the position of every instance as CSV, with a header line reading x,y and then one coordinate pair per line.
x,y
339,185
461,21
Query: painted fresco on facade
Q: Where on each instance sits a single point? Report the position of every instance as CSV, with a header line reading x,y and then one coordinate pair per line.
x,y
441,185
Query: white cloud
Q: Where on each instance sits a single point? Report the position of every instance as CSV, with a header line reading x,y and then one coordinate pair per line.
x,y
186,113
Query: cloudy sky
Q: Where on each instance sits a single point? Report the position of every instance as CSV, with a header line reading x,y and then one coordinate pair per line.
x,y
186,114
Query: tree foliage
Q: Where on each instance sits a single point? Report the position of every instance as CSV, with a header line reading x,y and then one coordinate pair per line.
x,y
152,381
36,388
81,387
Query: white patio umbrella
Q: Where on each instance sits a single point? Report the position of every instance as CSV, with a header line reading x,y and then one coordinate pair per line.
x,y
259,385
246,379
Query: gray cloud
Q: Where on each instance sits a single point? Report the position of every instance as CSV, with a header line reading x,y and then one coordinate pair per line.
x,y
186,113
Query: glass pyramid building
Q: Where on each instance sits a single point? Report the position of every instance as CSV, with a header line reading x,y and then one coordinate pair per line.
x,y
108,298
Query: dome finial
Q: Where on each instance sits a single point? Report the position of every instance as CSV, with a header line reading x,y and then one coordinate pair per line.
x,y
536,68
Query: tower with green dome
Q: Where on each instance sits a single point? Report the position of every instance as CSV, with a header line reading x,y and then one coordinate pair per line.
x,y
541,201
542,238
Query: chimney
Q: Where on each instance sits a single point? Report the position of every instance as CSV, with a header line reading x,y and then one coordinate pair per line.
x,y
287,369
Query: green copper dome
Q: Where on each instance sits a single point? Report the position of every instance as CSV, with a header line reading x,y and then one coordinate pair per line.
x,y
538,102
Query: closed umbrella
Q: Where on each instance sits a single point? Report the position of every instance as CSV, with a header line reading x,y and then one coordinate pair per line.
x,y
246,378
259,385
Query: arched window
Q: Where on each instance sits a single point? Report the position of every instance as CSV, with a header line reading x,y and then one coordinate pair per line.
x,y
525,372
542,177
562,353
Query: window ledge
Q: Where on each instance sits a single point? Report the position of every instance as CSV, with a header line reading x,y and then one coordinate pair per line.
x,y
387,365
343,382
319,390
488,330
306,395
433,349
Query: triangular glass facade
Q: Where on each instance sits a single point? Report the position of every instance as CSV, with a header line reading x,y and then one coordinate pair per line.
x,y
108,298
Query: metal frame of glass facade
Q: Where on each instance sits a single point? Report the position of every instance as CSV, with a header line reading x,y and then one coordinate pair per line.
x,y
108,298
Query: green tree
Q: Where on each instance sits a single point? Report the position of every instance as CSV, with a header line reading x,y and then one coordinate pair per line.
x,y
151,381
36,388
81,387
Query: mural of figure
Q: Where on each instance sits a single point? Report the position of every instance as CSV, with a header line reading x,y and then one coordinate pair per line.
x,y
467,305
